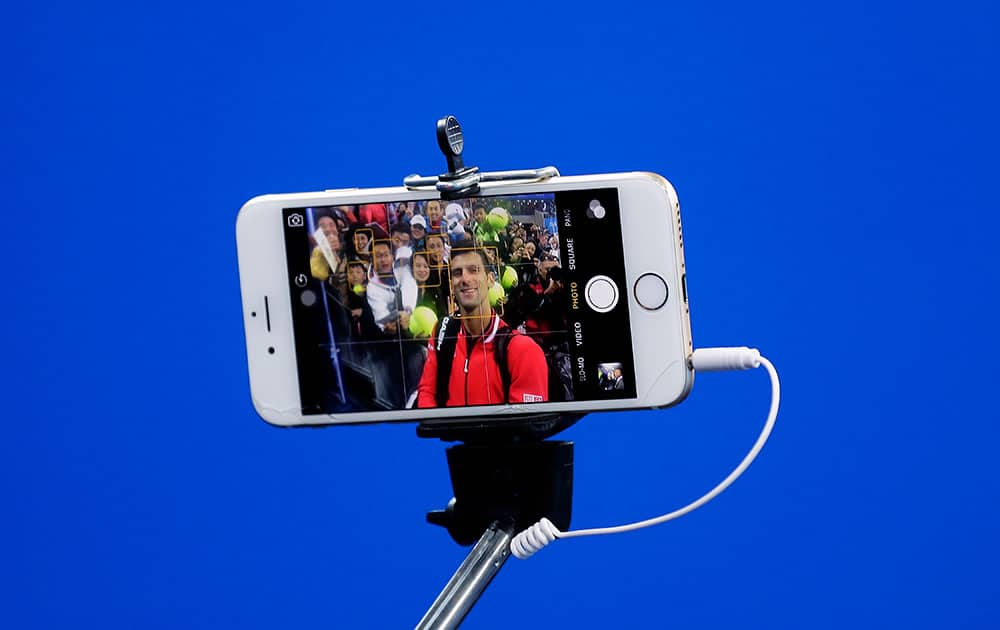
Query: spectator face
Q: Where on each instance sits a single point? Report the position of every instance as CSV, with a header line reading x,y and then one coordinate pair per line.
x,y
554,242
547,263
421,268
418,231
383,259
326,224
480,214
329,228
434,211
435,247
355,275
400,239
529,249
470,282
361,241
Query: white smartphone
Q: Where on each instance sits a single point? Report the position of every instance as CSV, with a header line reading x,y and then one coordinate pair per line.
x,y
377,305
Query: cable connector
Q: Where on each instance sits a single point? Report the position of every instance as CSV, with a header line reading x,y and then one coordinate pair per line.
x,y
725,359
543,532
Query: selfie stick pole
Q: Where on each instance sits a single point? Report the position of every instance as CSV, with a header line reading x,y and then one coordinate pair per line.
x,y
505,475
471,579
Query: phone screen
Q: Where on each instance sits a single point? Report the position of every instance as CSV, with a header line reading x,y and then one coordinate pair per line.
x,y
488,300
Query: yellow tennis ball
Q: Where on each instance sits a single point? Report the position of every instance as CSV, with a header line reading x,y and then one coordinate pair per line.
x,y
359,289
508,278
423,319
498,219
496,293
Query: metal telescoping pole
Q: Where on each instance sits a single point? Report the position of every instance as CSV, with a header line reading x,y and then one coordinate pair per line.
x,y
473,576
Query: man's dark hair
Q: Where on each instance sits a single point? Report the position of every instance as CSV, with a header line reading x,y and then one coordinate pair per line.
x,y
381,242
401,228
468,246
478,206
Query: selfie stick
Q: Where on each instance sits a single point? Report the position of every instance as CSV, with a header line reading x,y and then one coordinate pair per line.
x,y
505,476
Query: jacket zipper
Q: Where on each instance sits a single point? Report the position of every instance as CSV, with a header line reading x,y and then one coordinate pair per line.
x,y
466,381
469,347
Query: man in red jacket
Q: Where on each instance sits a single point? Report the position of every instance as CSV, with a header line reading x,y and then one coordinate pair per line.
x,y
475,377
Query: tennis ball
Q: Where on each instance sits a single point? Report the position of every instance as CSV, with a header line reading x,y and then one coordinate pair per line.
x,y
508,278
359,289
422,321
498,218
496,293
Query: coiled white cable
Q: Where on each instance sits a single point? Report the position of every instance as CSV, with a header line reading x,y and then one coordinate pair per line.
x,y
543,532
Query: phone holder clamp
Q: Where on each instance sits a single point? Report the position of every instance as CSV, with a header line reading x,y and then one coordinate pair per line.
x,y
461,180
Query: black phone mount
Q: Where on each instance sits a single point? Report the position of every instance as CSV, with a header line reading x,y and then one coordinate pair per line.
x,y
505,475
504,470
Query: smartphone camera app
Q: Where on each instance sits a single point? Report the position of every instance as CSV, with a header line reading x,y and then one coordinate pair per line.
x,y
394,280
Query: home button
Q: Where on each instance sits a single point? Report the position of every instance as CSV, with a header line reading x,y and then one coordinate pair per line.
x,y
601,294
650,291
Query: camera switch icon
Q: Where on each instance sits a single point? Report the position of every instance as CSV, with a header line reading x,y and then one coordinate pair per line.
x,y
595,210
295,220
301,280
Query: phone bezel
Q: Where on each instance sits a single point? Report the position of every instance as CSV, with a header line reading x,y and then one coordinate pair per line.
x,y
659,382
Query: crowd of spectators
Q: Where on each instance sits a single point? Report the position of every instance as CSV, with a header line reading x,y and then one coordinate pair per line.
x,y
379,262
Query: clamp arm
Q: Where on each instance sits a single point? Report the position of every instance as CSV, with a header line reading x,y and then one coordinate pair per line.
x,y
461,180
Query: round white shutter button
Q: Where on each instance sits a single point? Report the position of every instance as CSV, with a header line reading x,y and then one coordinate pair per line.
x,y
650,291
601,294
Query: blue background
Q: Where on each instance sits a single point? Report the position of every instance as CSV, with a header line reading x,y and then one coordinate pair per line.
x,y
836,167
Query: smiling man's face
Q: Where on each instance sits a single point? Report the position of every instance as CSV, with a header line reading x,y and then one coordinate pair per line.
x,y
470,283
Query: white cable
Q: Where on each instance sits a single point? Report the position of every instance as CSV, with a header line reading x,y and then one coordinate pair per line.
x,y
704,359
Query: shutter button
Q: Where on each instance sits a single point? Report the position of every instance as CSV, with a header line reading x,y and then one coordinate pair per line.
x,y
601,294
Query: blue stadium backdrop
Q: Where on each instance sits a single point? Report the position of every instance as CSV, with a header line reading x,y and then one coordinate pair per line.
x,y
836,167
